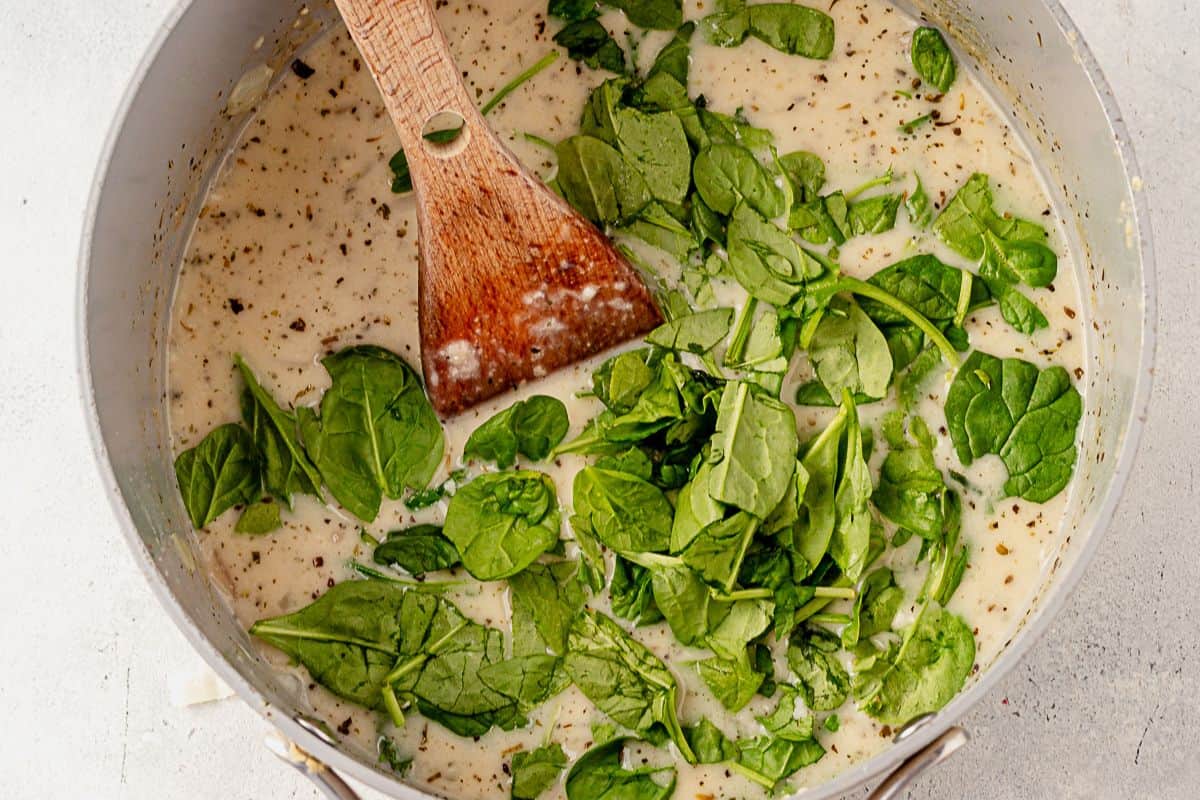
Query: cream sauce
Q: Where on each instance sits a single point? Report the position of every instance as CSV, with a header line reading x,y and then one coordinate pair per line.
x,y
301,249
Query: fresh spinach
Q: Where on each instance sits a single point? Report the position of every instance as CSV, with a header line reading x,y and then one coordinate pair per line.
x,y
545,599
932,59
501,522
623,678
753,450
259,518
599,182
632,594
733,681
929,669
219,473
726,174
572,10
663,15
793,29
682,597
417,550
599,775
717,551
849,353
766,261
875,607
535,771
806,173
850,541
1026,416
729,25
694,333
286,468
911,491
823,681
531,427
709,743
377,432
626,513
588,41
788,745
919,206
656,146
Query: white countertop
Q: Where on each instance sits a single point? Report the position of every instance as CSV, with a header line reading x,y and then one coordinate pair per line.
x,y
1106,706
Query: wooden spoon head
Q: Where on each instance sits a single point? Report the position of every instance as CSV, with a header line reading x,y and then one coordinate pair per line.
x,y
515,284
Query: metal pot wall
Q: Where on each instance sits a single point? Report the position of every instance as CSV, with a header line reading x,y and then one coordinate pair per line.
x,y
167,142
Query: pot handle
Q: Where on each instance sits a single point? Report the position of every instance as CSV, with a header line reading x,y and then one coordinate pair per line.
x,y
328,781
931,755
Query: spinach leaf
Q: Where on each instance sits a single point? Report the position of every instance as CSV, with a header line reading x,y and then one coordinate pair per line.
x,y
1026,416
502,521
753,450
655,226
728,173
911,490
930,668
731,680
377,432
823,681
631,593
655,145
417,550
545,600
675,56
765,260
872,215
787,746
572,10
535,771
348,639
401,175
694,333
662,15
733,625
793,29
620,381
530,427
851,501
682,598
599,775
218,474
633,462
286,468
849,353
709,743
728,25
427,497
718,550
388,754
932,59
528,680
626,513
695,509
623,678
806,173
599,182
918,206
259,518
821,461
588,41
875,607
940,293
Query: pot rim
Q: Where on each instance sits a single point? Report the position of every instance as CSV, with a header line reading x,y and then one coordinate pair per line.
x,y
858,775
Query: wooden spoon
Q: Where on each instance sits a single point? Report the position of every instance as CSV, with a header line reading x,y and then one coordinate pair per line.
x,y
513,282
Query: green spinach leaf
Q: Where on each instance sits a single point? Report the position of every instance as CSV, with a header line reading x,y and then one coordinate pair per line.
x,y
694,333
932,59
709,743
726,174
849,353
535,771
545,600
599,182
823,681
626,513
850,542
377,432
1026,416
733,681
417,550
501,522
911,490
662,15
218,474
531,427
286,468
599,775
259,518
588,41
793,29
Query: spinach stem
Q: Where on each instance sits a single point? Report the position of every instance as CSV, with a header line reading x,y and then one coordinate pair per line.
x,y
741,333
882,180
761,593
512,85
538,140
835,592
393,706
870,290
405,667
419,586
964,297
830,619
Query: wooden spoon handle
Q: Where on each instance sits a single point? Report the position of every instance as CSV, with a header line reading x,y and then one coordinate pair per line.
x,y
410,59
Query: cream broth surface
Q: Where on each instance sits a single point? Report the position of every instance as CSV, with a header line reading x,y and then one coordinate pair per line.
x,y
301,250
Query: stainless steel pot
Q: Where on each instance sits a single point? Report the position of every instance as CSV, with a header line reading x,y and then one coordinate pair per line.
x,y
166,144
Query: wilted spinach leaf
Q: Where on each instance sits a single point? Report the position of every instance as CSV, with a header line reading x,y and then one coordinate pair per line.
x,y
626,513
765,260
875,607
851,501
502,521
662,15
823,681
417,550
793,29
598,775
1026,416
599,182
545,600
932,59
732,681
535,771
710,745
728,173
632,594
259,518
911,490
286,468
377,432
218,474
530,427
693,333
849,353
753,450
588,41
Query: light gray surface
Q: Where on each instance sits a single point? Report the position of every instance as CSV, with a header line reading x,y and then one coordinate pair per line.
x,y
1105,707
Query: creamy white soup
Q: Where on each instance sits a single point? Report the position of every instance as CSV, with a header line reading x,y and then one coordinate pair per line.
x,y
301,249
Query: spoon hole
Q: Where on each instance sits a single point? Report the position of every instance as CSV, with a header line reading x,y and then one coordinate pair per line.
x,y
443,134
